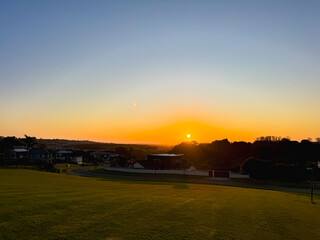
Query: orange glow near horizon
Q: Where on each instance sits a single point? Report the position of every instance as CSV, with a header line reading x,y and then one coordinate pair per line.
x,y
171,133
163,124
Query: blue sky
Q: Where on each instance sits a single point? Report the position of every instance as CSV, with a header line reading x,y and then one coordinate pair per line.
x,y
219,62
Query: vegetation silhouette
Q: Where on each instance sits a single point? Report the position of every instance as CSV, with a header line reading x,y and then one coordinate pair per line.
x,y
266,158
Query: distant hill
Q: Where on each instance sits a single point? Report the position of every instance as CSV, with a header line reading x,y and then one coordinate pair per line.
x,y
90,145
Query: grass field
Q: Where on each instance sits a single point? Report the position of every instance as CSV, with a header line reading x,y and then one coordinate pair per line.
x,y
40,205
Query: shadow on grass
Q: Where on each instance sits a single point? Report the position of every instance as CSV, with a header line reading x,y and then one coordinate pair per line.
x,y
118,173
181,185
175,185
183,182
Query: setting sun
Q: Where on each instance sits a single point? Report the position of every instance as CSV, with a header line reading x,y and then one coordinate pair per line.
x,y
188,136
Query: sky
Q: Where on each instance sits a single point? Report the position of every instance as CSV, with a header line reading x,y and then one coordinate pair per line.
x,y
156,71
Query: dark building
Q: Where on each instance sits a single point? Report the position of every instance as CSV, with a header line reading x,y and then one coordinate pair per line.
x,y
164,161
20,153
40,155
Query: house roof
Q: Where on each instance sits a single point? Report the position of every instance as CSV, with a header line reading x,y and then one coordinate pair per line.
x,y
138,165
147,164
38,151
166,155
20,150
64,152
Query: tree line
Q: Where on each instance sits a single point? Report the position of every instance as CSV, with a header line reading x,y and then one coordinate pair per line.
x,y
265,158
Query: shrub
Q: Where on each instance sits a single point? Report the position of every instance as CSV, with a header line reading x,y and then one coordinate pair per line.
x,y
258,168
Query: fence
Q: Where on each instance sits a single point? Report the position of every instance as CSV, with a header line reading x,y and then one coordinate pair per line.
x,y
156,171
238,175
178,172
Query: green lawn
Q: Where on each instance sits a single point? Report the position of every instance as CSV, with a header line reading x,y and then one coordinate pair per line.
x,y
41,205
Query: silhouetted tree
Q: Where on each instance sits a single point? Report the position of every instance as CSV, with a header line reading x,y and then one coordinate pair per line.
x,y
258,168
287,158
7,145
29,142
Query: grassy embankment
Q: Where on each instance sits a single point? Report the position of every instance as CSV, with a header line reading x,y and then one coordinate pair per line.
x,y
41,205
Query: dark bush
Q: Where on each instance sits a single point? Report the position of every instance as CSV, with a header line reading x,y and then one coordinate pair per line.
x,y
259,169
289,173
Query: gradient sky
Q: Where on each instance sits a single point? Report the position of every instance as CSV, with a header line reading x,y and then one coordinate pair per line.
x,y
155,71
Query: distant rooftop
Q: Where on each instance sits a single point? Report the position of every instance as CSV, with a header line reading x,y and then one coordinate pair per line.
x,y
64,152
38,151
166,155
22,150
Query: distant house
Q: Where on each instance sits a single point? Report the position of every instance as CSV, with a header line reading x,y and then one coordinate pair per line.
x,y
20,153
137,165
77,160
40,155
105,156
63,155
164,161
69,156
17,153
109,156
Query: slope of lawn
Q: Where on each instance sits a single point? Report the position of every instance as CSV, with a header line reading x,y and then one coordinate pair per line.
x,y
40,205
